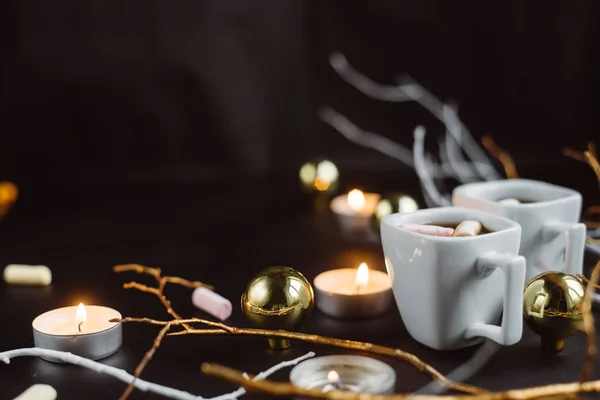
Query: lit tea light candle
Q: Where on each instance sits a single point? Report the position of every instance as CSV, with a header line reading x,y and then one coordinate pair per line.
x,y
82,330
356,374
353,293
355,204
334,382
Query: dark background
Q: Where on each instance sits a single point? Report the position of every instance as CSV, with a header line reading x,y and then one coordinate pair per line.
x,y
170,133
143,91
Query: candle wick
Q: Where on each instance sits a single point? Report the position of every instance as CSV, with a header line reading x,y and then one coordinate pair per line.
x,y
79,326
357,287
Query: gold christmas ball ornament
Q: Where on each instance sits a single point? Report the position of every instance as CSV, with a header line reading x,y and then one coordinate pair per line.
x,y
278,298
392,203
552,304
320,176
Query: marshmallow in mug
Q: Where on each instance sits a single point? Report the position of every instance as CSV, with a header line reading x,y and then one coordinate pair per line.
x,y
433,230
468,228
509,201
465,228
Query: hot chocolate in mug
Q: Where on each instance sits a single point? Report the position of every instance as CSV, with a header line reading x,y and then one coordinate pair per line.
x,y
552,238
451,290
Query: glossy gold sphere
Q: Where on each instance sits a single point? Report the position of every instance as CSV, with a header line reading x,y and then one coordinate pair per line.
x,y
319,176
552,304
392,203
278,298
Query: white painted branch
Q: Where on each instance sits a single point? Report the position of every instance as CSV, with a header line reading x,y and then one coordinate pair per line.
x,y
450,154
366,139
449,117
390,148
410,89
465,371
123,375
372,89
263,375
422,170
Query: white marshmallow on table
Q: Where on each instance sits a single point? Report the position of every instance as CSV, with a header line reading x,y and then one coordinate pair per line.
x,y
38,392
211,302
468,228
509,202
433,230
33,275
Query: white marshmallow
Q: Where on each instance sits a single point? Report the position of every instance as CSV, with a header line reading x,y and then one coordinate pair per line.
x,y
211,302
33,275
429,229
468,228
38,392
509,202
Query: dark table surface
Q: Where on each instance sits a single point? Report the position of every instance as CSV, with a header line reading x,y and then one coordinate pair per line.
x,y
223,234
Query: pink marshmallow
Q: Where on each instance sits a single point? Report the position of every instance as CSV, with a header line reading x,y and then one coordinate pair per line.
x,y
211,302
429,229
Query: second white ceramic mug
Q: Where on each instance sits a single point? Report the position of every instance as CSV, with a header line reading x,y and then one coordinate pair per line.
x,y
552,238
451,290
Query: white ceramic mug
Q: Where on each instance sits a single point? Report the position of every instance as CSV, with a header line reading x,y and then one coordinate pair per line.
x,y
451,290
552,238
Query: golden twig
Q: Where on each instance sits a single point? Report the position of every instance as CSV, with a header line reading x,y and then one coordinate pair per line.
x,y
593,241
158,292
285,389
156,273
593,162
502,155
222,329
147,357
574,154
593,210
588,323
162,281
587,281
590,157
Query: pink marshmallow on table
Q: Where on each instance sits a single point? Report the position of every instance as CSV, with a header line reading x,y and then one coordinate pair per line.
x,y
211,302
429,229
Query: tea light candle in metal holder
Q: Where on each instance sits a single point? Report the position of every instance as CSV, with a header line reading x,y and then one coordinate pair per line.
x,y
82,330
354,212
353,293
344,372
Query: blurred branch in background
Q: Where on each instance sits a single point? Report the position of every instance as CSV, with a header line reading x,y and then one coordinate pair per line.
x,y
457,142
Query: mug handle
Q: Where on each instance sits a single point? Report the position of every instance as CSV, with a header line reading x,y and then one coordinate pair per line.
x,y
513,268
575,245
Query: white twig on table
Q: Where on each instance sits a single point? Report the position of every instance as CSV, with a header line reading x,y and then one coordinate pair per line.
x,y
241,391
479,360
124,376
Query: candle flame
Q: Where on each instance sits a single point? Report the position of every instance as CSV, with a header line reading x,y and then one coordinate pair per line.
x,y
81,314
333,377
356,199
362,275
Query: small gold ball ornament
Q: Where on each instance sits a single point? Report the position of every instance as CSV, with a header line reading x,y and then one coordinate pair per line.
x,y
319,176
392,203
278,298
552,304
